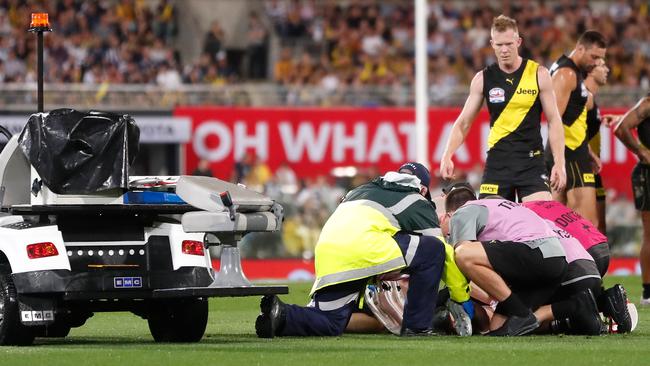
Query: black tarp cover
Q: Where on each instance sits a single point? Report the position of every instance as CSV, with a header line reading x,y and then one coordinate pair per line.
x,y
78,152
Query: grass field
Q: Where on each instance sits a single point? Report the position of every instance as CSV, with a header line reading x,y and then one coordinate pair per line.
x,y
124,339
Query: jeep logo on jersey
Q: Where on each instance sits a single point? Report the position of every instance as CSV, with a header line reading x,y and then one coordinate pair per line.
x,y
526,91
496,95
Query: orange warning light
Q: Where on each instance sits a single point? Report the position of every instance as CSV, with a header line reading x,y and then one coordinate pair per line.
x,y
39,20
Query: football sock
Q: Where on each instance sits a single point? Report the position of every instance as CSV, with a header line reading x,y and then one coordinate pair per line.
x,y
563,309
646,290
512,306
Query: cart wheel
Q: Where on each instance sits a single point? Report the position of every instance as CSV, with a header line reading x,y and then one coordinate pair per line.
x,y
12,331
181,320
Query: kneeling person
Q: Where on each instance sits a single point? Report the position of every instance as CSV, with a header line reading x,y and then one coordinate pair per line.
x,y
580,228
509,252
380,227
588,257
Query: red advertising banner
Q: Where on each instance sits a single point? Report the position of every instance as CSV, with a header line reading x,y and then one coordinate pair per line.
x,y
313,141
303,270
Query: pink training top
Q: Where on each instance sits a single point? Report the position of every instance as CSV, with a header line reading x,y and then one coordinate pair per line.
x,y
579,227
509,221
572,247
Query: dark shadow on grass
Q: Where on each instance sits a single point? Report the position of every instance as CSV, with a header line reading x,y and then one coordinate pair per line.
x,y
349,342
128,341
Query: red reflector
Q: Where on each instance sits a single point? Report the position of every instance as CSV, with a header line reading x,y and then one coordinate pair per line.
x,y
41,250
193,247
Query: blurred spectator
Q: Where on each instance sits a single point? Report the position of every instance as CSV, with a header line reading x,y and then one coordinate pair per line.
x,y
14,68
225,72
213,40
168,77
203,169
286,178
276,10
293,241
242,168
125,9
294,28
256,49
166,23
283,67
258,176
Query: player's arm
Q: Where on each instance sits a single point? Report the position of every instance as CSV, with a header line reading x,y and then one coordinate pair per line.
x,y
611,120
462,125
555,129
596,163
564,81
630,120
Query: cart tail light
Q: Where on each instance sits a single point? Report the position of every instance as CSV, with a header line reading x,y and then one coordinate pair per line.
x,y
193,247
41,250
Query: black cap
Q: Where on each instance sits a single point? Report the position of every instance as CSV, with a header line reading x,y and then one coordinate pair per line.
x,y
418,170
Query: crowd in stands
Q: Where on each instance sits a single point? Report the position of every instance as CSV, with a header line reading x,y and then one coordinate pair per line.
x,y
115,42
124,42
338,47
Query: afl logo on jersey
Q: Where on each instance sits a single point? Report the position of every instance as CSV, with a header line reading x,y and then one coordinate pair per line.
x,y
496,95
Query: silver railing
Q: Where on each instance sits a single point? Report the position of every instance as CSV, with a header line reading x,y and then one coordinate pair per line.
x,y
151,98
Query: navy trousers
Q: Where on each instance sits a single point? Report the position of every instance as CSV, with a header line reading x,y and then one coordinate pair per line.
x,y
330,309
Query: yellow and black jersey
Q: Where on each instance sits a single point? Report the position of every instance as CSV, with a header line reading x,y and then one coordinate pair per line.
x,y
593,128
515,108
574,117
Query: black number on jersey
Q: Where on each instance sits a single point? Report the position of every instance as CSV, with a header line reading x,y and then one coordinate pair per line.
x,y
507,204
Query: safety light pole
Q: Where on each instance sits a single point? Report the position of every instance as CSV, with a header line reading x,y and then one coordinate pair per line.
x,y
40,24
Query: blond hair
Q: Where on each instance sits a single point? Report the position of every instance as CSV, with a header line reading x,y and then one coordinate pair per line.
x,y
502,23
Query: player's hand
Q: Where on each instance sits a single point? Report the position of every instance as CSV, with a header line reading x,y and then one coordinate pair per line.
x,y
558,178
447,168
610,120
644,155
596,163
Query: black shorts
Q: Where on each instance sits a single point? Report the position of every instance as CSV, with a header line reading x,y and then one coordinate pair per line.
x,y
601,194
523,267
533,278
580,270
565,292
514,177
600,254
579,173
581,275
641,186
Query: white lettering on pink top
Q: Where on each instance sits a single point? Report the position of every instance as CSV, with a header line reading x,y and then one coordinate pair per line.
x,y
510,221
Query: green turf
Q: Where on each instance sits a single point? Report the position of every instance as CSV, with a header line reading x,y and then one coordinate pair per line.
x,y
124,339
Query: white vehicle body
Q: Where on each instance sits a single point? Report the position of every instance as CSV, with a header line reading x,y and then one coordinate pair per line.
x,y
64,257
